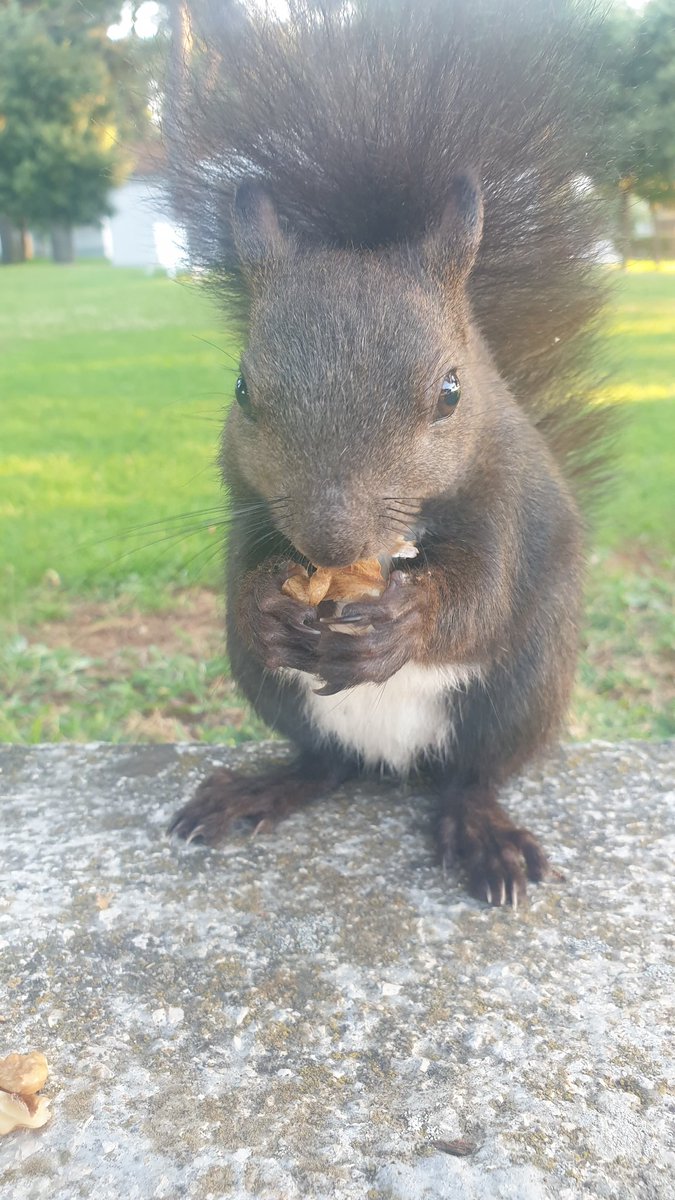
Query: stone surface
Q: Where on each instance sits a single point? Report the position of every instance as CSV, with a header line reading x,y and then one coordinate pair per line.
x,y
305,1015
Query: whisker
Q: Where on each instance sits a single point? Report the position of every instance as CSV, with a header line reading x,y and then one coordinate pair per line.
x,y
170,540
214,550
269,535
410,513
174,536
217,549
396,523
220,518
178,527
222,511
139,530
196,512
174,539
204,420
225,353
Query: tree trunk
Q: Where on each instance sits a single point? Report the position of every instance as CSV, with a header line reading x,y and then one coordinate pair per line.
x,y
9,241
656,235
177,63
624,223
25,243
63,249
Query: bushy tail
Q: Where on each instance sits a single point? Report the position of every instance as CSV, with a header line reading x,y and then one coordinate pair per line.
x,y
358,117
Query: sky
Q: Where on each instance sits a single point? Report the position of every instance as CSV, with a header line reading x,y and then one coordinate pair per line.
x,y
147,19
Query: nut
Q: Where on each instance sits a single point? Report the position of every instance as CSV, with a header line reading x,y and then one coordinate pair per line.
x,y
363,578
23,1073
404,549
29,1112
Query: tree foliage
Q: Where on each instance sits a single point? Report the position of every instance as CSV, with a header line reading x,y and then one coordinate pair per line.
x,y
72,104
58,151
653,80
638,69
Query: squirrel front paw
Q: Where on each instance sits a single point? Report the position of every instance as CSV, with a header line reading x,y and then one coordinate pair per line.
x,y
282,631
386,633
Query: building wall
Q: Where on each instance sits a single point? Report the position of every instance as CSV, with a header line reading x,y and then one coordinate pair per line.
x,y
89,241
140,232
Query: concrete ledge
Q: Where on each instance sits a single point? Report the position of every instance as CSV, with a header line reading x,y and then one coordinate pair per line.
x,y
304,1015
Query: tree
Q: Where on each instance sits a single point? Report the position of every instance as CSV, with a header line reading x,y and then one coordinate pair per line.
x,y
58,149
638,68
654,76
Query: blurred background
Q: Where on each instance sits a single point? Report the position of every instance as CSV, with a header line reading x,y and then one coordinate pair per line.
x,y
115,371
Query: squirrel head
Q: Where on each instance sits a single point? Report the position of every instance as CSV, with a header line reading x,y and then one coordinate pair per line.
x,y
364,384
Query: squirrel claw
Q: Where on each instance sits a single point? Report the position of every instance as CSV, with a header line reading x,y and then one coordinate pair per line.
x,y
343,619
195,833
498,856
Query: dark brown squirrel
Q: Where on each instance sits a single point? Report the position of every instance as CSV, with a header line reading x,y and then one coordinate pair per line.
x,y
389,195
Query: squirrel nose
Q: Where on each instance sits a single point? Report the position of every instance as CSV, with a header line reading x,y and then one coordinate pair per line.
x,y
333,528
327,552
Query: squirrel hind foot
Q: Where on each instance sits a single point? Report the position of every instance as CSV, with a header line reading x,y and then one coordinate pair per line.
x,y
497,857
226,798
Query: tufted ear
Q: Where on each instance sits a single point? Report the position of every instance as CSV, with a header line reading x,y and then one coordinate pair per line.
x,y
451,247
258,237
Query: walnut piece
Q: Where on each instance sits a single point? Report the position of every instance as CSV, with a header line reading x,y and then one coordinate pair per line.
x,y
361,579
23,1073
342,584
21,1076
29,1112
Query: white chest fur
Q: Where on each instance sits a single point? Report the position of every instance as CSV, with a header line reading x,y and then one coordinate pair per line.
x,y
390,723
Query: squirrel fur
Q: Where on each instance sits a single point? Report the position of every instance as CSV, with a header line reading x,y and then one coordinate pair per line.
x,y
389,198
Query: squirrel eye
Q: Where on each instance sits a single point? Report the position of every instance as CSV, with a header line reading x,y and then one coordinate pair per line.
x,y
449,396
241,393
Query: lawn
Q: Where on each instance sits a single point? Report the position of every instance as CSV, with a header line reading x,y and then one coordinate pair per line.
x,y
111,400
112,386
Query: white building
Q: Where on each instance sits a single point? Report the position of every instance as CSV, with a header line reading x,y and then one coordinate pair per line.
x,y
140,231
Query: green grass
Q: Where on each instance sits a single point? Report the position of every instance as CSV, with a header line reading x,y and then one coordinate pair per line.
x,y
111,401
626,678
55,694
112,386
640,349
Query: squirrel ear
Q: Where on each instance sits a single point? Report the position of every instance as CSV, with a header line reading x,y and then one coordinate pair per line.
x,y
453,245
258,237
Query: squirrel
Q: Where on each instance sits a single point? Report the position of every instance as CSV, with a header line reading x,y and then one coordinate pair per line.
x,y
389,198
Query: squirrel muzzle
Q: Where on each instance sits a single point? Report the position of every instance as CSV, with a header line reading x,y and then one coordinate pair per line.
x,y
332,528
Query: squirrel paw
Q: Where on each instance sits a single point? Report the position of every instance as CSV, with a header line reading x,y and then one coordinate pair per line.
x,y
226,797
387,631
283,631
497,856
